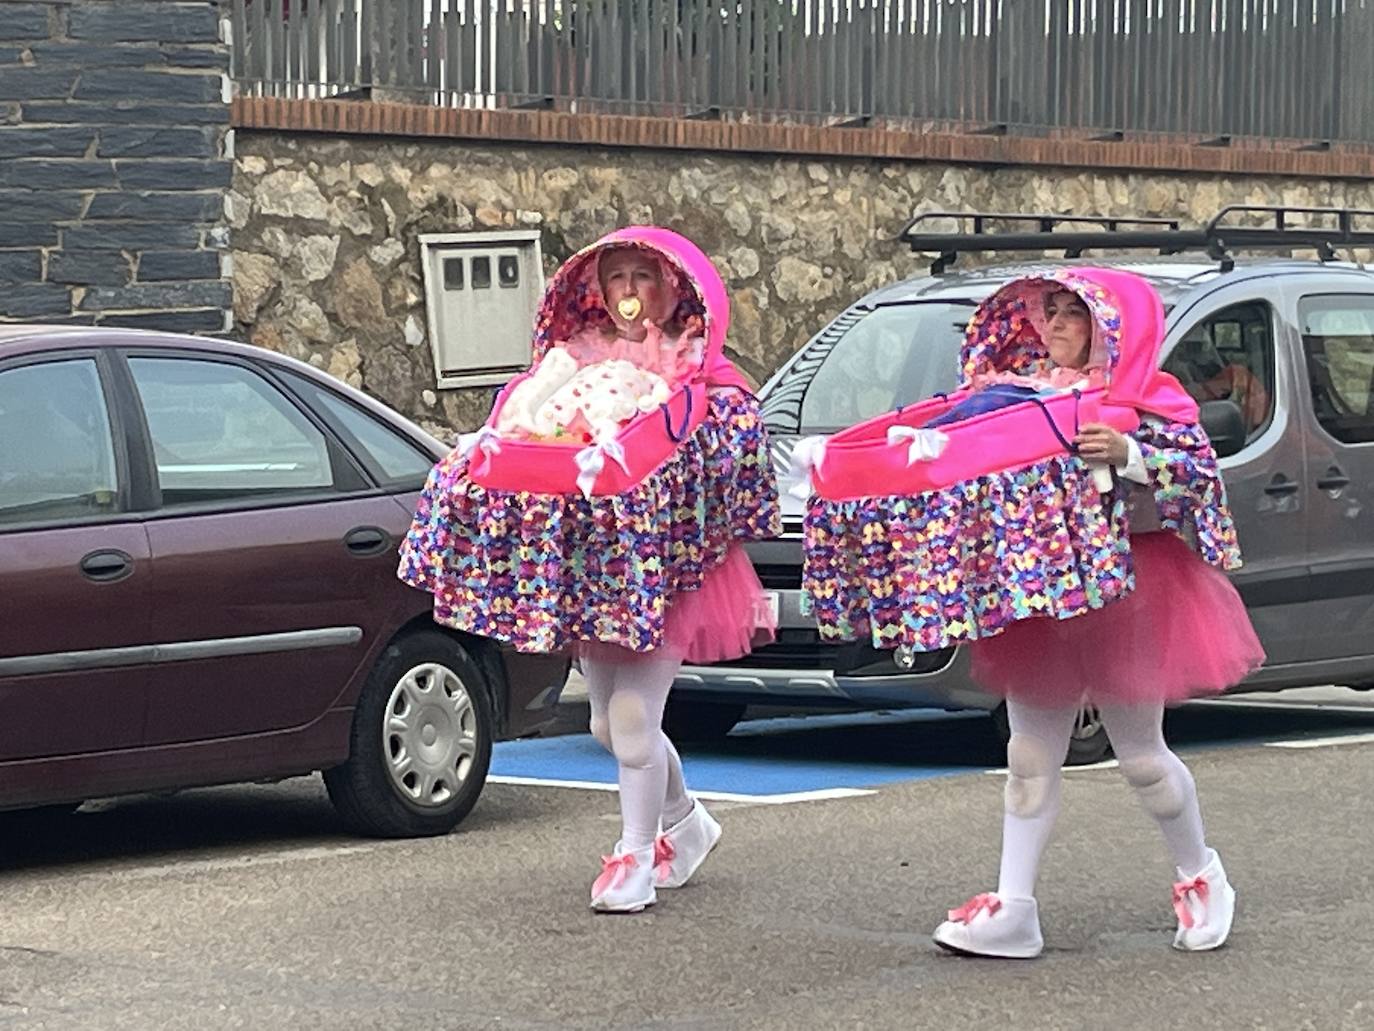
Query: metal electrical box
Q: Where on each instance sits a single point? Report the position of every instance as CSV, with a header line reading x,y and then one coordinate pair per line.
x,y
481,291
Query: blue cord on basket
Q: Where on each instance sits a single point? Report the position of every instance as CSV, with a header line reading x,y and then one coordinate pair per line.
x,y
678,435
1069,446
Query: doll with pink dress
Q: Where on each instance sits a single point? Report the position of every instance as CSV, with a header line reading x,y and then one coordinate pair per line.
x,y
602,511
589,387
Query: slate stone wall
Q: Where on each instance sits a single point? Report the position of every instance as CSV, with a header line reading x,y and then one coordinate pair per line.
x,y
115,158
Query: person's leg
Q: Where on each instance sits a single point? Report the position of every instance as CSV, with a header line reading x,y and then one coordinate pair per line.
x,y
1007,924
689,831
1203,897
677,804
633,717
1162,783
600,677
1035,755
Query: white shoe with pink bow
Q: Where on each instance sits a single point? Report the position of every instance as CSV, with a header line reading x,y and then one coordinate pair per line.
x,y
1206,905
626,884
683,847
989,925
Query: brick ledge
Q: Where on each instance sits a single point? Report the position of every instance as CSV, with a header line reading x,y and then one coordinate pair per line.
x,y
1154,154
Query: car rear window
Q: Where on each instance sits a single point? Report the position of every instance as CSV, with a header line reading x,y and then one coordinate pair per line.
x,y
1338,339
397,461
221,432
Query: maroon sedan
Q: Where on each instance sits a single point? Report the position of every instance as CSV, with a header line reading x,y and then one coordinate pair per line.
x,y
198,586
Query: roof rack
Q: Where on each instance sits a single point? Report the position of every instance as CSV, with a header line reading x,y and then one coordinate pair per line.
x,y
1218,238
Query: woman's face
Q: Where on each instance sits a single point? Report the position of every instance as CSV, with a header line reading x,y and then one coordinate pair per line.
x,y
632,284
1068,329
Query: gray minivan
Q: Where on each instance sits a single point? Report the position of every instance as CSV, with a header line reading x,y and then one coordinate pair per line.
x,y
1279,351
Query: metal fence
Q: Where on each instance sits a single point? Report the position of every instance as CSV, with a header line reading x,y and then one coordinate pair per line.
x,y
1290,69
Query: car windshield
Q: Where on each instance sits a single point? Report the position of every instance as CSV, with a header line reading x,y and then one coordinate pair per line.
x,y
869,363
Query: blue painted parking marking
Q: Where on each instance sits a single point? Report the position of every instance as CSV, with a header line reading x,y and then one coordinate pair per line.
x,y
814,757
786,759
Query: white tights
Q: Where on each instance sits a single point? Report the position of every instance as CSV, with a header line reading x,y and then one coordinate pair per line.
x,y
1035,753
627,697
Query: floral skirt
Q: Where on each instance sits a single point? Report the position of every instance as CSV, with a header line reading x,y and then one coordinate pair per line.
x,y
544,572
966,562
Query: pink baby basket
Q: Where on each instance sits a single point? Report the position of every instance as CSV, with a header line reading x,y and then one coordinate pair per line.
x,y
572,301
891,454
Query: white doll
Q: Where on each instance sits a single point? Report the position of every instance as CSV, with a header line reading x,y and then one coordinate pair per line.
x,y
606,395
517,416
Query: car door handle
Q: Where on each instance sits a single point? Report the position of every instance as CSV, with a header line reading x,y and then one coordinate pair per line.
x,y
367,540
1281,485
1334,479
107,566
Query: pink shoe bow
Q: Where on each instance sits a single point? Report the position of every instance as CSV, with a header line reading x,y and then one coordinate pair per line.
x,y
1197,887
614,870
664,854
979,903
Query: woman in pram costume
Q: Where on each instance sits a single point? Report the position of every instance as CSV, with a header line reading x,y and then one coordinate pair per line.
x,y
579,521
1088,571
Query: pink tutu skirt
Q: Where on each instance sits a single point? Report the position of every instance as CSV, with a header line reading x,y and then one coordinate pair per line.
x,y
1183,632
726,618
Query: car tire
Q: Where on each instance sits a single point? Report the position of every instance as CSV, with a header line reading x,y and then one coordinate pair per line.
x,y
420,743
694,722
1088,744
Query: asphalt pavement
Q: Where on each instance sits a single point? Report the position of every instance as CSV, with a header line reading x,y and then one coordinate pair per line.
x,y
250,907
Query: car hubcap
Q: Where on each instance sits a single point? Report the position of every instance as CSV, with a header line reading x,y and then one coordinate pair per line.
x,y
430,734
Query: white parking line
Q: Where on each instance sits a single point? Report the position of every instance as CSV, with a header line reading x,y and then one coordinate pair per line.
x,y
710,796
1323,742
1282,705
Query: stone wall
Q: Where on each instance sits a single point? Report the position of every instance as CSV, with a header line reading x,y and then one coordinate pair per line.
x,y
326,256
113,123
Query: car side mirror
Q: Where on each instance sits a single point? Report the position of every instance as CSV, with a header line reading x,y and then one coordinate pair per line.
x,y
1225,426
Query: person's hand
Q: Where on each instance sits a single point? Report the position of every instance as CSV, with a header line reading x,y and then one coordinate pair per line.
x,y
1098,442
